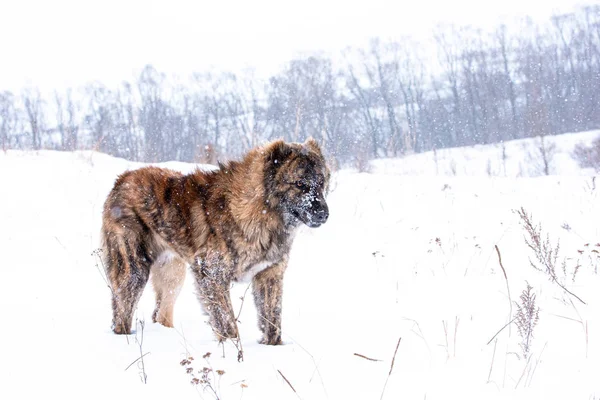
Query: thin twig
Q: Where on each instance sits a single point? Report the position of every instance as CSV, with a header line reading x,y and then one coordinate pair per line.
x,y
456,321
507,286
140,342
492,363
445,325
391,368
136,360
524,370
242,303
288,382
103,275
419,333
314,372
565,289
61,245
537,361
568,318
237,342
366,358
501,329
586,339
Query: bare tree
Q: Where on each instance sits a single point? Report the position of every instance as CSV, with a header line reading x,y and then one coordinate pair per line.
x,y
8,118
504,47
154,115
364,102
67,119
539,80
34,104
126,115
448,40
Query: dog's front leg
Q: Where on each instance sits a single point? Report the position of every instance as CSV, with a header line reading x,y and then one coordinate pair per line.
x,y
267,287
213,293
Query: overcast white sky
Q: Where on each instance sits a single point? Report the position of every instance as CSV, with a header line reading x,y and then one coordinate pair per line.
x,y
58,43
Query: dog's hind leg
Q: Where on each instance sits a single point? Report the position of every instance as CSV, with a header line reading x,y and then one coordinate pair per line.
x,y
127,263
267,287
167,275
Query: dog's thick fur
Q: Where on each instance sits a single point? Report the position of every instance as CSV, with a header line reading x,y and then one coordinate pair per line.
x,y
232,224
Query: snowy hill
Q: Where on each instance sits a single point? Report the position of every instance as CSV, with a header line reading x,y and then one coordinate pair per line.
x,y
408,252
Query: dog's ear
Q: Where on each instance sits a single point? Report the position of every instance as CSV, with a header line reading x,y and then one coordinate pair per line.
x,y
278,151
313,145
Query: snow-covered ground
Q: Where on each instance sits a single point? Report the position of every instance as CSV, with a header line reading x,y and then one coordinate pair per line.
x,y
408,253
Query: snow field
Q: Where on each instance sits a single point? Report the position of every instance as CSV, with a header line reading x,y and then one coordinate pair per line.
x,y
408,253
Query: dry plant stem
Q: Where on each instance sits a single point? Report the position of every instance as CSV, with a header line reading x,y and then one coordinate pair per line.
x,y
419,334
507,289
445,325
365,357
586,339
242,303
492,363
97,254
238,345
456,321
391,368
527,317
583,325
501,329
567,318
532,372
523,373
576,310
209,381
137,359
567,290
312,376
504,371
545,254
288,382
140,342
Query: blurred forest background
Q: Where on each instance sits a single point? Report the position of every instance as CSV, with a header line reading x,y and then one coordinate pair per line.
x,y
392,97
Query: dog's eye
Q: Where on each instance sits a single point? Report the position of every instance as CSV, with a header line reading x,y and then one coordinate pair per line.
x,y
301,184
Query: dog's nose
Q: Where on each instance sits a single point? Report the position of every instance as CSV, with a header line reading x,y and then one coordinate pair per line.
x,y
322,215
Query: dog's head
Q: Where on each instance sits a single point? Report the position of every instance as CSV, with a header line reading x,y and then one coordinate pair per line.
x,y
296,181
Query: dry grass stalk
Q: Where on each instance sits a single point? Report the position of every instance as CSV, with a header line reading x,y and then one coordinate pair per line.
x,y
366,358
492,363
526,319
391,368
501,329
288,382
545,253
507,289
140,342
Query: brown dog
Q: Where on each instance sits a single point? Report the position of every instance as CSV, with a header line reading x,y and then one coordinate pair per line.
x,y
232,224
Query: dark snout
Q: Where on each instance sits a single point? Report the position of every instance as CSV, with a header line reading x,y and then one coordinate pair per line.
x,y
322,215
320,212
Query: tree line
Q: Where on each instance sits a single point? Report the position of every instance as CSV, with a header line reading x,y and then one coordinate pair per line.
x,y
384,100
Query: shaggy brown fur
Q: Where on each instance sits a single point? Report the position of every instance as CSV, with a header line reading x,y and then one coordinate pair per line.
x,y
232,224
